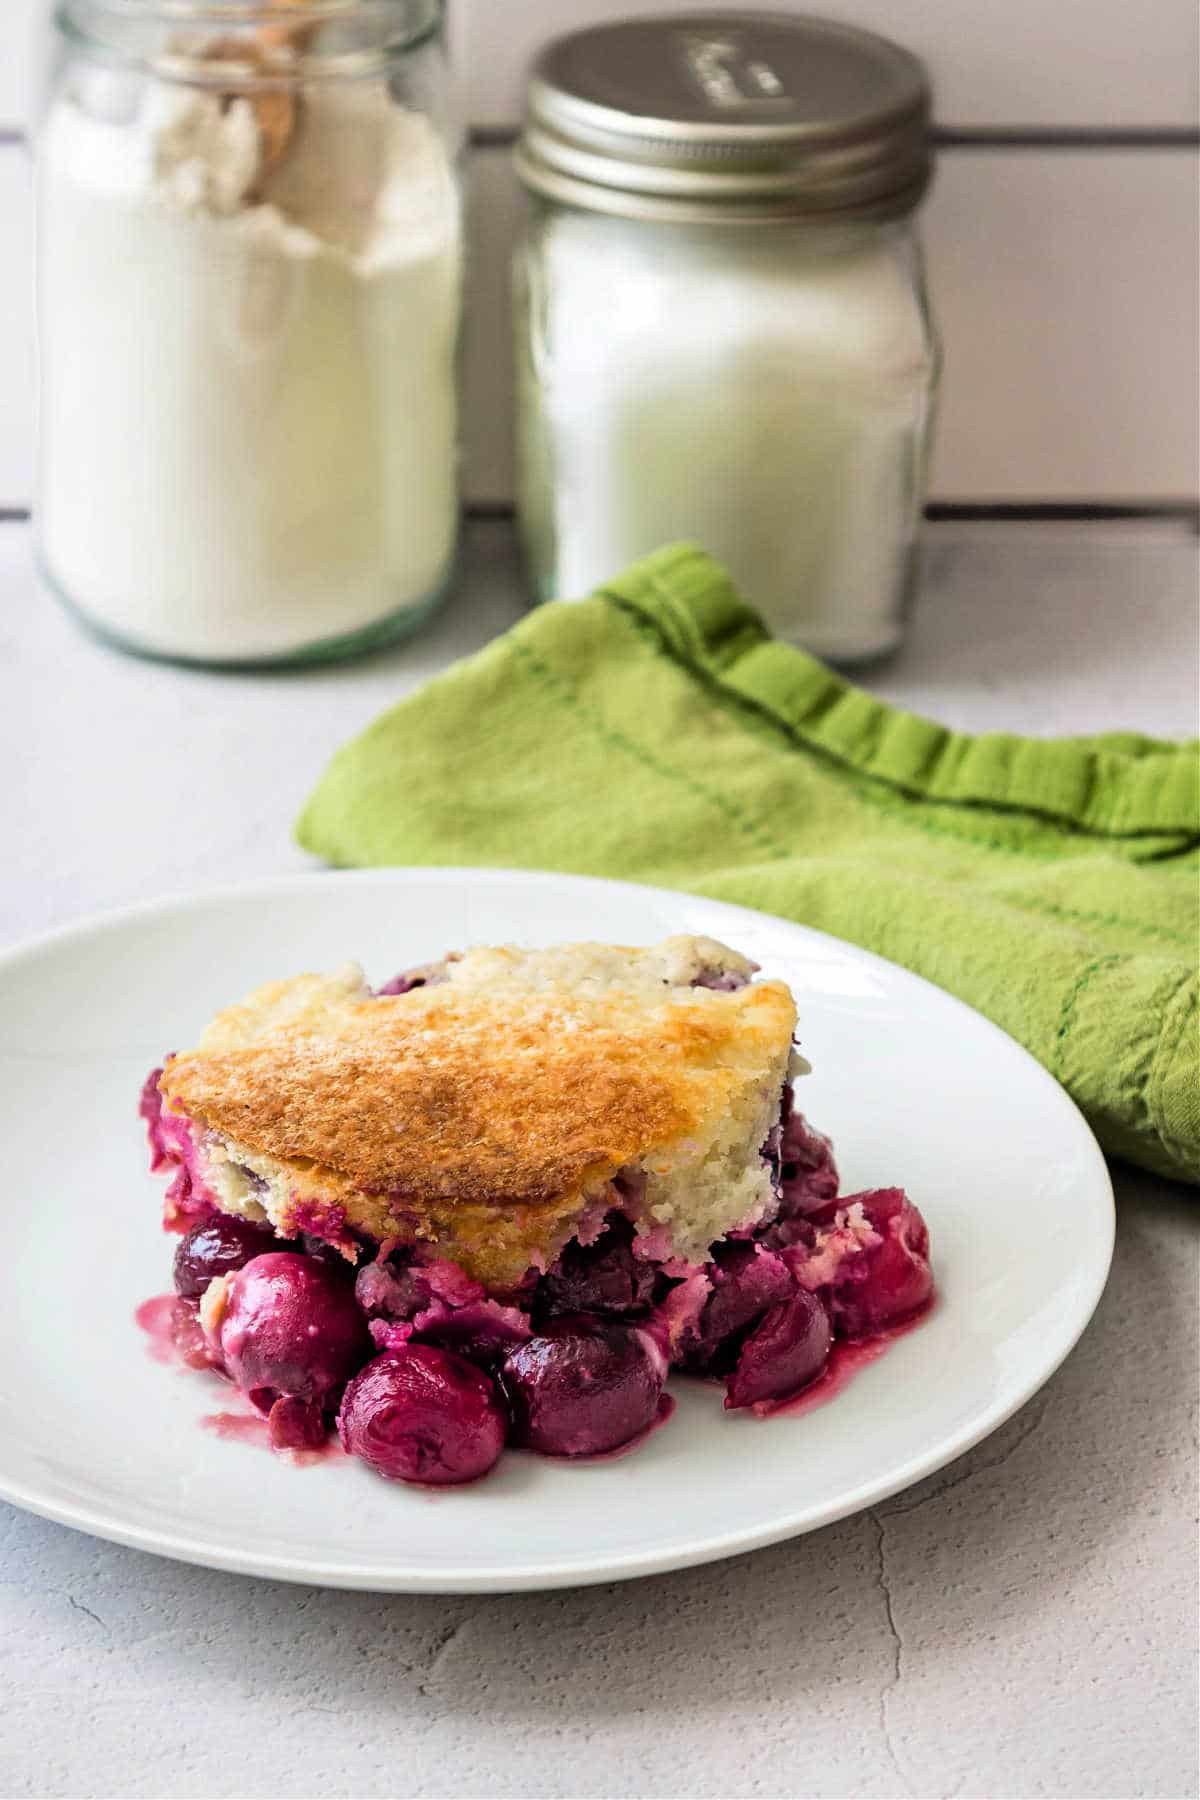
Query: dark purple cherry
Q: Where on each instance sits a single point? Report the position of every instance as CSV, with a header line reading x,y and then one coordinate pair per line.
x,y
787,1349
219,1245
892,1281
583,1386
290,1326
604,1277
425,1415
747,1282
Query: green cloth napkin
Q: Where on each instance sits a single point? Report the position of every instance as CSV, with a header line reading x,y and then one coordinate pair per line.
x,y
656,732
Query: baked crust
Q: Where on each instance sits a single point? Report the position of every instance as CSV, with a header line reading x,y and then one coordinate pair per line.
x,y
486,1114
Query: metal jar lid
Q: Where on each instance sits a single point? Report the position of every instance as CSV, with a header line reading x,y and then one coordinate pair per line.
x,y
729,118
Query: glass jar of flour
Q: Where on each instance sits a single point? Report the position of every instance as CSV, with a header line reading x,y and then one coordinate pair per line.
x,y
248,254
723,333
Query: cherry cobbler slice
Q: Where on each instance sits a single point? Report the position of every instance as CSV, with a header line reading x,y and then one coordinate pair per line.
x,y
498,1199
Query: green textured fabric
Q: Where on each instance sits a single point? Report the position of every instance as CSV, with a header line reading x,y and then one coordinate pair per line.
x,y
657,733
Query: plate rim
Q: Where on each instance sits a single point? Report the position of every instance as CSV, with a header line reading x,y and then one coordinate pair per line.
x,y
582,1571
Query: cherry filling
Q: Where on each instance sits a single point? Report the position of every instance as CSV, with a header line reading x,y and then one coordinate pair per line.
x,y
484,1332
807,1172
602,1277
429,1376
173,1145
424,975
423,1414
219,1245
888,1280
287,1326
787,1348
583,1386
746,1282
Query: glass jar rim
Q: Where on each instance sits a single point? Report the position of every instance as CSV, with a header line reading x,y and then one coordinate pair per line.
x,y
389,27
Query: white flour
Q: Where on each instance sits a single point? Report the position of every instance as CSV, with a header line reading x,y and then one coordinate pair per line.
x,y
247,436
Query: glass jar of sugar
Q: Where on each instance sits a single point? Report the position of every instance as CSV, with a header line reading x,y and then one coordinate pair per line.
x,y
248,254
722,326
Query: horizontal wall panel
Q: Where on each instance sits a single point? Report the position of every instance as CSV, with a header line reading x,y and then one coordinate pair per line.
x,y
1097,63
1065,284
1067,289
1044,63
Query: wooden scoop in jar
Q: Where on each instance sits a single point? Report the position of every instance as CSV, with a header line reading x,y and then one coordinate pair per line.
x,y
276,110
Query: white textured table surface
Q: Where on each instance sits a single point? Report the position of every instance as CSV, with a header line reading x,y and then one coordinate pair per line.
x,y
1023,1623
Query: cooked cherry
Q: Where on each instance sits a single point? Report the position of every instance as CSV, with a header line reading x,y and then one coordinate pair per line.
x,y
891,1281
386,1289
746,1282
484,1332
294,1424
583,1386
787,1349
290,1325
423,1414
604,1277
219,1245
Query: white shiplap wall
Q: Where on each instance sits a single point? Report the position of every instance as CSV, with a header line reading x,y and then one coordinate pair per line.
x,y
1120,64
1065,284
1112,63
1064,272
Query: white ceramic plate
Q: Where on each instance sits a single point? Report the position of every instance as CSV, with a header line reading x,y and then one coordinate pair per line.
x,y
916,1089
